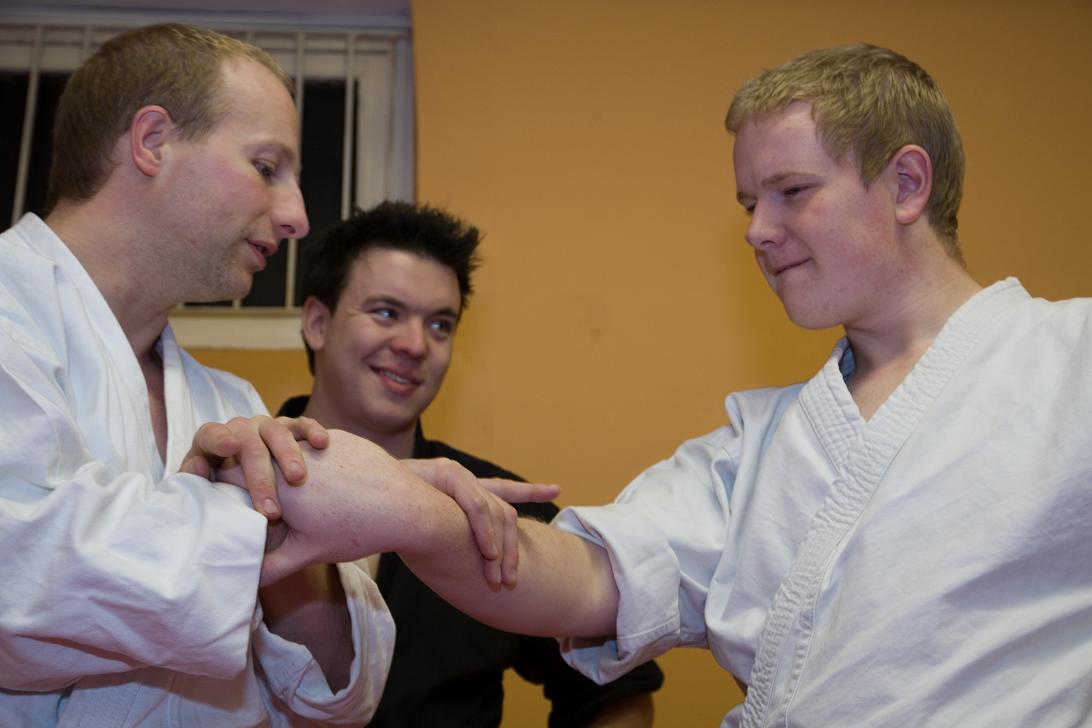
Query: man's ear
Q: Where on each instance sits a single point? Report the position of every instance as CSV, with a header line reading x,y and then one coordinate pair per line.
x,y
913,174
313,323
148,136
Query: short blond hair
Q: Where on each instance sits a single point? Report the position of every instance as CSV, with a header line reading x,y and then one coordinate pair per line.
x,y
178,67
869,101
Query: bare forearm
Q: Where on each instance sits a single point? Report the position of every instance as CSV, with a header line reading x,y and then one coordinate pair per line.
x,y
308,608
358,500
565,586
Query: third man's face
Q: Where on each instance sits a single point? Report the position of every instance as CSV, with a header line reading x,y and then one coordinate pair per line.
x,y
383,353
825,242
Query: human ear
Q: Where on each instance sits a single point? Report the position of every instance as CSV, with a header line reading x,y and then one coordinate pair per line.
x,y
148,138
913,173
313,323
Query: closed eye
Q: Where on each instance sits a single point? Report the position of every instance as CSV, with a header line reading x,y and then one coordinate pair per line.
x,y
265,169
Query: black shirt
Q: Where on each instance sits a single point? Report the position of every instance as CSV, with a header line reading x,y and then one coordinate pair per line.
x,y
447,667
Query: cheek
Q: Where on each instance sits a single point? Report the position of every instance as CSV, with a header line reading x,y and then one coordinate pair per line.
x,y
760,261
440,359
364,336
240,192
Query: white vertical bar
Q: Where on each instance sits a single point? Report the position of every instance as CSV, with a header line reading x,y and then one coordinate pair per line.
x,y
347,146
373,129
85,47
401,172
28,128
237,304
293,243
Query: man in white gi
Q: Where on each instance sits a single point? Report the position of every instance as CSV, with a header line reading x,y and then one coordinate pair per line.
x,y
130,588
904,539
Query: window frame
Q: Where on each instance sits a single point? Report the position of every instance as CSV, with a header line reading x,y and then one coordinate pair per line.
x,y
376,64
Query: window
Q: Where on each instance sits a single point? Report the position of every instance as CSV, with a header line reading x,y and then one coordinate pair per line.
x,y
354,92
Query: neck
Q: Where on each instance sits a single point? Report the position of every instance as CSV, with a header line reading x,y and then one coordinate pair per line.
x,y
109,252
907,326
322,408
892,338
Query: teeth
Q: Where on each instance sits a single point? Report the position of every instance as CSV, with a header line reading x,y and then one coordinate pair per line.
x,y
394,377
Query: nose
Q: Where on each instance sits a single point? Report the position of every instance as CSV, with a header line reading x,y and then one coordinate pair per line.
x,y
763,228
289,213
411,339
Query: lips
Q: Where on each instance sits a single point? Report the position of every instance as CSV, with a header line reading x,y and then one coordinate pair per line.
x,y
779,268
401,379
262,249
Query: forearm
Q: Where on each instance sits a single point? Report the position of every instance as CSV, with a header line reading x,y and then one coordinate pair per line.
x,y
565,585
309,608
358,500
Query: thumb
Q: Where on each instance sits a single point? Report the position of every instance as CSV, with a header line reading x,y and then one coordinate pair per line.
x,y
196,465
275,566
289,557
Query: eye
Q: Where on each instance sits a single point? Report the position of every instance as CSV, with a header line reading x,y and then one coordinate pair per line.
x,y
386,314
442,326
265,169
794,190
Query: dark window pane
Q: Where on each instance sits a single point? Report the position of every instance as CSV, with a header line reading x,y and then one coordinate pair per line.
x,y
50,86
322,149
268,288
217,304
13,99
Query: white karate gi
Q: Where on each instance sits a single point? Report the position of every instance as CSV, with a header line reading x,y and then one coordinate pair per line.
x,y
128,592
929,567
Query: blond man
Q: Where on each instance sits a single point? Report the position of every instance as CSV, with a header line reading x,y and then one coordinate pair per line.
x,y
901,540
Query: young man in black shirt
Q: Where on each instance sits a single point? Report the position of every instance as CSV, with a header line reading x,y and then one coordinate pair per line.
x,y
384,292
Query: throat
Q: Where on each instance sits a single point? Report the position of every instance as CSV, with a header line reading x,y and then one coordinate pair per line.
x,y
152,367
870,388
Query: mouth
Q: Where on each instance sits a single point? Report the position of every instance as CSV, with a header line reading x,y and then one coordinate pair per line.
x,y
776,270
404,379
262,249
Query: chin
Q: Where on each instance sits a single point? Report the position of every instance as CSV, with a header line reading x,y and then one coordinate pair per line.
x,y
396,421
807,319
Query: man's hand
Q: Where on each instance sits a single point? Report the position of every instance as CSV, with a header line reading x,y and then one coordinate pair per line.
x,y
251,443
485,502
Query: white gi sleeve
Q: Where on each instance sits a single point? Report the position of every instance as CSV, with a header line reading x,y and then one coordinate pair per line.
x,y
294,681
106,572
664,535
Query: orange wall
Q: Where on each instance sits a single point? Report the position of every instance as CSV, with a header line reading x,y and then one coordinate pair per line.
x,y
618,304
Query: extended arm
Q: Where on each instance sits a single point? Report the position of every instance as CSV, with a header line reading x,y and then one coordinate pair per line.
x,y
358,501
565,584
